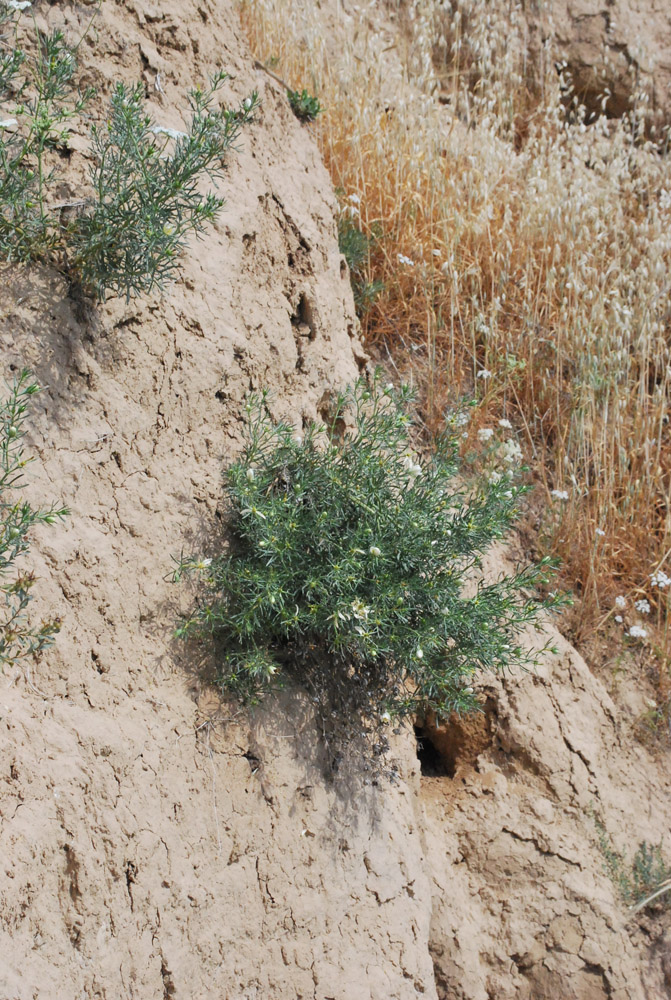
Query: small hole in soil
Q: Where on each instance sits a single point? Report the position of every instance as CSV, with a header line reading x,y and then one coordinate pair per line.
x,y
455,744
432,762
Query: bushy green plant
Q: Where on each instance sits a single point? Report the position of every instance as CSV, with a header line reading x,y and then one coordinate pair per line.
x,y
18,637
44,97
147,197
355,246
305,106
639,882
146,202
353,569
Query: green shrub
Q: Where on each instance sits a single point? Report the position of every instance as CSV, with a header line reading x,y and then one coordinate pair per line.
x,y
642,878
18,638
304,105
146,202
347,568
355,246
42,92
147,197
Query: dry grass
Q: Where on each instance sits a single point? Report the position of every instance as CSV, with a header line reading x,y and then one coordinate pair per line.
x,y
541,250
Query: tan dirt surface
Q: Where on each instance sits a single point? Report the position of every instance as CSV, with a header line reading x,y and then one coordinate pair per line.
x,y
624,45
155,843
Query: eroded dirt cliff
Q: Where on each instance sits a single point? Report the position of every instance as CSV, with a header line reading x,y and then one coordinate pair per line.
x,y
156,843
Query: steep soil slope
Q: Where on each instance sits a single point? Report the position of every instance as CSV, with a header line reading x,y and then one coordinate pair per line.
x,y
156,843
622,46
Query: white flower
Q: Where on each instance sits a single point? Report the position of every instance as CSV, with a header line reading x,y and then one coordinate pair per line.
x,y
598,531
247,103
360,611
389,387
355,199
203,564
420,653
402,259
619,619
651,703
485,433
374,551
8,123
484,373
660,579
642,606
435,252
251,474
385,718
511,452
495,477
505,423
637,632
414,469
461,419
468,690
173,133
18,4
620,602
559,494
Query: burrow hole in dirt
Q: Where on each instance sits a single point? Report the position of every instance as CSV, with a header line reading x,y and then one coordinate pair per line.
x,y
447,747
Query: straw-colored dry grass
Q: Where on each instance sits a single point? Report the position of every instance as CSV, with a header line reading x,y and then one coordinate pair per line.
x,y
541,252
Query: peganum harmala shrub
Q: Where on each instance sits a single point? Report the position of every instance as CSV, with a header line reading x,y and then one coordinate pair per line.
x,y
18,637
146,180
304,105
644,880
356,248
353,568
127,238
43,97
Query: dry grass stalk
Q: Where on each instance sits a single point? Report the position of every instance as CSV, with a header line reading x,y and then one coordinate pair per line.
x,y
541,252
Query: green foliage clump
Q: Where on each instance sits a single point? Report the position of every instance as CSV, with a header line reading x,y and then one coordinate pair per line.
x,y
353,569
147,197
304,105
640,881
126,239
18,638
355,246
44,99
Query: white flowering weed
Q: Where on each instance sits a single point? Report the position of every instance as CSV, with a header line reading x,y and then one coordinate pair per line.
x,y
348,580
146,178
19,637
